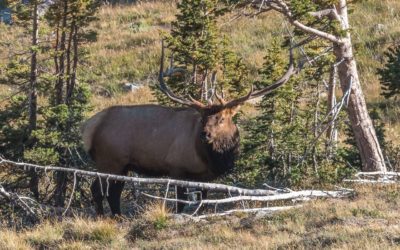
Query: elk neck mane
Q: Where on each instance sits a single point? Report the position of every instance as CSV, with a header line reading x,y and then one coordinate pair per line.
x,y
222,153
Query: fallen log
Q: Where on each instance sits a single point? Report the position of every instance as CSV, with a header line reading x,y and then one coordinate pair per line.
x,y
106,177
275,197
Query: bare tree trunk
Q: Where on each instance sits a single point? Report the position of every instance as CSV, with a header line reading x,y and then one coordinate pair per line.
x,y
60,77
61,178
331,133
68,61
75,44
316,132
364,132
33,184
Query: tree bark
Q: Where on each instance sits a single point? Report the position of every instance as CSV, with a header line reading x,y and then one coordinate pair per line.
x,y
61,66
61,178
72,82
332,133
364,131
367,142
33,71
33,183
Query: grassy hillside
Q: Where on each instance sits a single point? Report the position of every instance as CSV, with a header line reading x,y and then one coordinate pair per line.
x,y
370,220
128,47
128,42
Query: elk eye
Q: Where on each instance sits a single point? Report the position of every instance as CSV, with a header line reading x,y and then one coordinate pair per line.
x,y
221,120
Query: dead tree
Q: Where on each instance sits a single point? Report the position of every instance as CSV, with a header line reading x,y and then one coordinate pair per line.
x,y
361,123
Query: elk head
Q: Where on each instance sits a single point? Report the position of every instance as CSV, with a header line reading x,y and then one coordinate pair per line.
x,y
218,128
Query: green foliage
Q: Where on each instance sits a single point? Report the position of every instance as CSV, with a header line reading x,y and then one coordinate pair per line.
x,y
58,139
283,144
55,136
201,52
273,137
14,132
390,73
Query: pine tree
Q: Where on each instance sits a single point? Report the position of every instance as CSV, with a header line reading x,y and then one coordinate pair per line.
x,y
55,138
390,73
201,54
273,137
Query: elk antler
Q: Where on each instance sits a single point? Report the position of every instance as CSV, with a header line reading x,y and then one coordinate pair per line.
x,y
164,88
291,70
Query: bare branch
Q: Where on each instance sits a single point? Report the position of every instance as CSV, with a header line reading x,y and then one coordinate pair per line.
x,y
189,184
18,200
330,13
267,210
281,7
276,197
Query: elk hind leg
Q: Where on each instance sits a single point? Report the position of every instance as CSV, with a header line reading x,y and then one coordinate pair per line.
x,y
180,195
114,196
98,195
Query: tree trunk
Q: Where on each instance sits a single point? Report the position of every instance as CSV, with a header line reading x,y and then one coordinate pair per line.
x,y
364,132
61,178
331,133
75,41
33,183
33,73
61,67
72,80
68,60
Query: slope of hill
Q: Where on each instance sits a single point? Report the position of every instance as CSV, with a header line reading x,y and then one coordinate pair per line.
x,y
128,46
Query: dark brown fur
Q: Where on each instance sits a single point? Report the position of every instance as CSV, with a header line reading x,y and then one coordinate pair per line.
x,y
181,143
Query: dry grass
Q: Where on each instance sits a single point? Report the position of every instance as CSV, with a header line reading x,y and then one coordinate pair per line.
x,y
140,96
10,240
370,220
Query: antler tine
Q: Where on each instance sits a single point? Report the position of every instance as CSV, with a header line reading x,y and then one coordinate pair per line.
x,y
291,70
220,98
240,100
164,88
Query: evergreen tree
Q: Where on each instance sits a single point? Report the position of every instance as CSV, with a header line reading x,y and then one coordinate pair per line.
x,y
55,138
390,73
201,54
273,136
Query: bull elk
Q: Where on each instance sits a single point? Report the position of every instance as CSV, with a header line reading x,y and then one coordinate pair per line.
x,y
196,142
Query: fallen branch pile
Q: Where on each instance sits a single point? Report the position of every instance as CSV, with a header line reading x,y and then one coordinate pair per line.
x,y
259,195
25,203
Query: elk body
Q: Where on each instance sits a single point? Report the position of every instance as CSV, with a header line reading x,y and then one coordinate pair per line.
x,y
197,142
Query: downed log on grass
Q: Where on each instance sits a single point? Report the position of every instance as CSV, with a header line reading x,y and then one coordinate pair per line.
x,y
282,196
107,177
375,178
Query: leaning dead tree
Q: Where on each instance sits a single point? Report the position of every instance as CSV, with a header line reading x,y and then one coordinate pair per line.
x,y
361,123
258,195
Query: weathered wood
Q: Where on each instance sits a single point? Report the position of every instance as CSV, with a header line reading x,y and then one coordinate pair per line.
x,y
264,210
275,197
364,132
189,184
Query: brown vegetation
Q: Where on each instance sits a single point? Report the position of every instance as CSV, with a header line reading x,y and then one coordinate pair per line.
x,y
367,221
